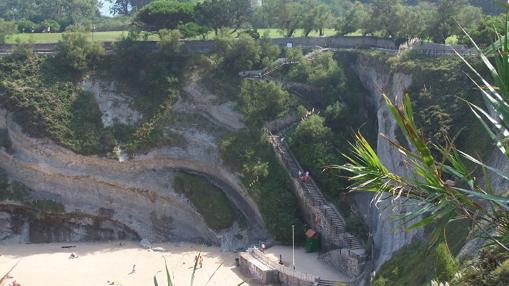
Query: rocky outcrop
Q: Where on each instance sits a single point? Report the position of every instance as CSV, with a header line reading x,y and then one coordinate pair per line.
x,y
202,101
114,107
388,235
22,224
137,193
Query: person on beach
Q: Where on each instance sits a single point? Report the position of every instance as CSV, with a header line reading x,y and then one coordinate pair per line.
x,y
133,270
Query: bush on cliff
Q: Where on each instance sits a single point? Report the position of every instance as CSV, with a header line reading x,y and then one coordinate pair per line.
x,y
219,213
244,53
76,54
46,107
267,182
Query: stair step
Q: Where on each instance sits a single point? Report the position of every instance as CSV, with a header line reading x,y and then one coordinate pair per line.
x,y
335,222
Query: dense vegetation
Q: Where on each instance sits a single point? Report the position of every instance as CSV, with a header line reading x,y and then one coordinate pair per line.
x,y
46,97
53,14
444,181
399,19
267,182
47,106
209,200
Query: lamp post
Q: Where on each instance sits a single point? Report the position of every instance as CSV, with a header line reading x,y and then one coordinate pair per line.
x,y
293,246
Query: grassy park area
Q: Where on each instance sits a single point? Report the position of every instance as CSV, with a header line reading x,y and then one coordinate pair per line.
x,y
112,36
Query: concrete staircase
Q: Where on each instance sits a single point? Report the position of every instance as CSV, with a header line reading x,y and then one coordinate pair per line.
x,y
343,250
336,234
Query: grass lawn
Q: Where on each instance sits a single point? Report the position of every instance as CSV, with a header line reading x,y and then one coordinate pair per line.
x,y
117,35
55,37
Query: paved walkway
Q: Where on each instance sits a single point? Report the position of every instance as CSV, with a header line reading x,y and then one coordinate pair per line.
x,y
306,262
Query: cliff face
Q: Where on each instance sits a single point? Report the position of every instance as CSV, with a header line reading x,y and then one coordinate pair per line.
x,y
136,195
388,235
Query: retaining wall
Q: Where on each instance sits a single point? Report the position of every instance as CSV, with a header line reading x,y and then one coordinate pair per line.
x,y
264,270
339,42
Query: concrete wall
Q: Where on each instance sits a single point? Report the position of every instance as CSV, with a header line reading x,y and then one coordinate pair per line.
x,y
253,268
256,265
345,260
340,42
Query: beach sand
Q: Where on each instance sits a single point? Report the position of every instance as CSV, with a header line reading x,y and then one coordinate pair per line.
x,y
97,263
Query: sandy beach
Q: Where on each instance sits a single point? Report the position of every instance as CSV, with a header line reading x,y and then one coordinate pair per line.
x,y
98,263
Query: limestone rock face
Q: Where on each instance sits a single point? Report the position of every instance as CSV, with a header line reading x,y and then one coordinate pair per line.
x,y
114,107
388,234
138,193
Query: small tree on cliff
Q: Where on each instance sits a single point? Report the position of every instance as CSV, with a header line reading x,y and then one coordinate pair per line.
x,y
76,54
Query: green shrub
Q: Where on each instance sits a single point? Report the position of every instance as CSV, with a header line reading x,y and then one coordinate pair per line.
x,y
491,268
322,72
6,28
311,143
267,182
445,266
48,107
417,263
261,101
76,54
25,26
149,76
380,281
217,210
86,125
245,53
49,25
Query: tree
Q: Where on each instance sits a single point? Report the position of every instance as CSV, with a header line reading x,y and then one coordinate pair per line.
x,y
6,28
192,29
213,14
290,17
127,7
416,21
49,25
311,141
245,53
65,12
122,7
386,17
285,14
76,54
219,14
239,12
485,32
448,15
164,14
323,18
262,101
354,19
322,72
